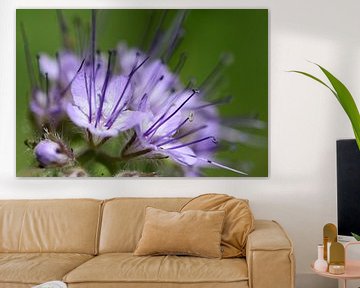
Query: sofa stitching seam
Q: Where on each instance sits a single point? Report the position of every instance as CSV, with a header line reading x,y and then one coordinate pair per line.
x,y
22,226
98,228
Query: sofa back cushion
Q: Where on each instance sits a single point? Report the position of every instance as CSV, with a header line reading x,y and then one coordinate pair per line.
x,y
123,220
66,226
238,224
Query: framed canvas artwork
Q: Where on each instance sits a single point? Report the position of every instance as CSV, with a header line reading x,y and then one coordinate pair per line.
x,y
132,93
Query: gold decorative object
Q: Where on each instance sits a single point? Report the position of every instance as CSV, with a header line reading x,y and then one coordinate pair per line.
x,y
337,254
336,269
337,258
330,236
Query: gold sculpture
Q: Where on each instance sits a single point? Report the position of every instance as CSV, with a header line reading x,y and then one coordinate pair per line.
x,y
330,236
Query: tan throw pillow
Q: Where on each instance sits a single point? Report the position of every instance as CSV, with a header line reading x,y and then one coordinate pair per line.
x,y
196,233
239,220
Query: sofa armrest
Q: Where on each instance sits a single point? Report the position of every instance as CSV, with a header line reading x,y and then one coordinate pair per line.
x,y
269,256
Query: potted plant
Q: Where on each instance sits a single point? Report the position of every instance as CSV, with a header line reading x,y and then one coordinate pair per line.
x,y
344,97
346,100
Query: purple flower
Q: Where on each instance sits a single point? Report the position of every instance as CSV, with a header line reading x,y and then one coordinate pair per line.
x,y
166,131
47,90
49,98
128,56
47,106
52,153
159,135
156,133
61,69
100,101
153,79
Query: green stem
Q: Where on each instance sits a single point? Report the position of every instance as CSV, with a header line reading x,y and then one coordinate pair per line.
x,y
91,140
103,141
92,152
135,154
128,144
123,157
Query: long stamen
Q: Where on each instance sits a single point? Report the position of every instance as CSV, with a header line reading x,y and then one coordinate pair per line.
x,y
115,113
86,30
40,76
58,95
113,64
175,33
183,136
147,30
190,84
181,63
193,142
97,69
224,167
247,121
103,90
64,30
155,127
142,103
72,80
224,100
93,41
58,62
216,164
156,43
171,132
153,81
29,64
148,91
214,76
178,68
47,90
79,32
88,87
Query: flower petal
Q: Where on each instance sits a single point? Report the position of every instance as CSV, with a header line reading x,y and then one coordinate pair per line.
x,y
70,63
114,91
128,119
50,66
127,58
80,91
77,116
184,155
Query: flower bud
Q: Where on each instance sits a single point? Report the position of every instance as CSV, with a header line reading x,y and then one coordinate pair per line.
x,y
51,154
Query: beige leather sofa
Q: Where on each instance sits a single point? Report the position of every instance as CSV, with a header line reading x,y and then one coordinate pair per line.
x,y
89,243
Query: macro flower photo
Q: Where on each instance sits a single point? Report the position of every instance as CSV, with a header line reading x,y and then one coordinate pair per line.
x,y
142,93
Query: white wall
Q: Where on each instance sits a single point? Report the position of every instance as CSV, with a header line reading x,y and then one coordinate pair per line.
x,y
305,120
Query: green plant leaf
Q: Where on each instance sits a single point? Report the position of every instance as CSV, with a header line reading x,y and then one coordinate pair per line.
x,y
316,79
344,97
356,236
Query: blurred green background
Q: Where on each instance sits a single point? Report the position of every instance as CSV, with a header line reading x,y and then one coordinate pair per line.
x,y
209,33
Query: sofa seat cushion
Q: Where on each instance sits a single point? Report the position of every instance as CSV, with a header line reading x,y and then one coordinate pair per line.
x,y
36,268
127,268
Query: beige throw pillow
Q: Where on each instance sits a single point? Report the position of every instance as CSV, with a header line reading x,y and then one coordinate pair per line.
x,y
194,232
239,221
